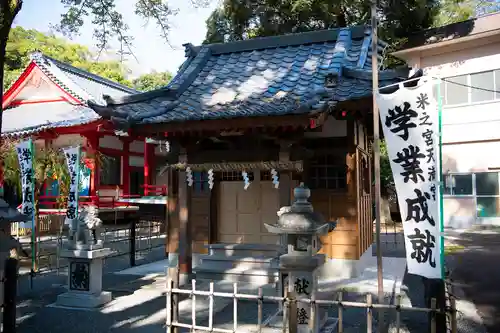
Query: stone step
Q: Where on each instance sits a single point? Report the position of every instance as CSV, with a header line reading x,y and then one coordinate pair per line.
x,y
228,262
246,250
254,276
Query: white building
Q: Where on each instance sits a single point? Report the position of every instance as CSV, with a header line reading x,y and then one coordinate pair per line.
x,y
466,56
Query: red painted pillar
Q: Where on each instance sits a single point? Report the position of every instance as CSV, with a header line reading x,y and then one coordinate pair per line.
x,y
92,148
152,165
126,166
147,157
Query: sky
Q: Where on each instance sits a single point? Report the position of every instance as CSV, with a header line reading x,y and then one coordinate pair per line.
x,y
151,50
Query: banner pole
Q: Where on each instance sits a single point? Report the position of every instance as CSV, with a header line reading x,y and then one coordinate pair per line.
x,y
34,211
376,151
440,179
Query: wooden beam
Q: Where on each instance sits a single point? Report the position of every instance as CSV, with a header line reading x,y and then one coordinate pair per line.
x,y
223,124
185,230
242,155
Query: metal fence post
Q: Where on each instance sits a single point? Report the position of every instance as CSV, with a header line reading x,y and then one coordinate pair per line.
x,y
292,313
173,276
286,309
369,314
132,243
170,284
10,292
453,316
341,314
433,316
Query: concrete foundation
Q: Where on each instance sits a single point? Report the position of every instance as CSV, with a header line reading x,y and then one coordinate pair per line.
x,y
345,268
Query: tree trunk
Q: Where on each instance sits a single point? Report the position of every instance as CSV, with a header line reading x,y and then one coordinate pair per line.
x,y
8,11
341,18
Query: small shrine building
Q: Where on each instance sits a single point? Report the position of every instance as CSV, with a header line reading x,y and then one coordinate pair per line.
x,y
298,104
48,102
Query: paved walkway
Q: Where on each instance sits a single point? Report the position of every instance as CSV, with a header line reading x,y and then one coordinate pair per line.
x,y
475,268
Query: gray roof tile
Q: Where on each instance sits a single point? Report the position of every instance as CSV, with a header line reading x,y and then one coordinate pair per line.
x,y
266,76
26,119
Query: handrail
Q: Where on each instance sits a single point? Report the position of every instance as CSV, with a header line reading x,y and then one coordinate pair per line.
x,y
103,200
155,190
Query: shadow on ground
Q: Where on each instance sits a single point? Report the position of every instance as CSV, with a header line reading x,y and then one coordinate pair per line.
x,y
476,271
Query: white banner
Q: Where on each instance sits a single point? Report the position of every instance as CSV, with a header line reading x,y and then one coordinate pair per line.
x,y
409,120
25,157
73,162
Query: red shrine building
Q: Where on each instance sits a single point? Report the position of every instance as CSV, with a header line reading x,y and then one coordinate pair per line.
x,y
48,102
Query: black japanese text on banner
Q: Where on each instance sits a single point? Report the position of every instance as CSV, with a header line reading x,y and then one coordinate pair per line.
x,y
409,119
73,162
25,157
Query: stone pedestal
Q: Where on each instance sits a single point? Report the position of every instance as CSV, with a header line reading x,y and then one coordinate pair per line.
x,y
85,279
301,279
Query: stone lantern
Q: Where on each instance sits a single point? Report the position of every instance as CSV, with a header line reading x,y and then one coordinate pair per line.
x,y
298,267
8,215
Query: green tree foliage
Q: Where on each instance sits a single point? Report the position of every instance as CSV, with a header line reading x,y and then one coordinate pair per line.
x,y
386,178
151,81
238,20
23,42
460,10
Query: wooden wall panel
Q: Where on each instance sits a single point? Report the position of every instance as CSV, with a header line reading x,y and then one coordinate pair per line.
x,y
343,242
200,221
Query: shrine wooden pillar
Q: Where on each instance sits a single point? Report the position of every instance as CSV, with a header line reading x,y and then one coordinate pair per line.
x,y
285,178
147,152
92,149
179,228
126,166
285,186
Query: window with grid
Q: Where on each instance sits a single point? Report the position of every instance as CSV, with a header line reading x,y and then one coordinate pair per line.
x,y
235,176
470,88
458,184
327,172
200,182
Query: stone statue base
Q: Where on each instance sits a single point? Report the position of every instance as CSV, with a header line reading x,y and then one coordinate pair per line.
x,y
85,278
87,247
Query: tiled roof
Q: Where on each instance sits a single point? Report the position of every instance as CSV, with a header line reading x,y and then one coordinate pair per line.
x,y
264,76
26,119
82,84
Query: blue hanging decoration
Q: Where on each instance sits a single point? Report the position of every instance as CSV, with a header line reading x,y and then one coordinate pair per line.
x,y
210,179
245,179
276,181
189,176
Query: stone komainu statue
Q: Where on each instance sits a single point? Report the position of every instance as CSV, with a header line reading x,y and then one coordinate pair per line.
x,y
86,226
